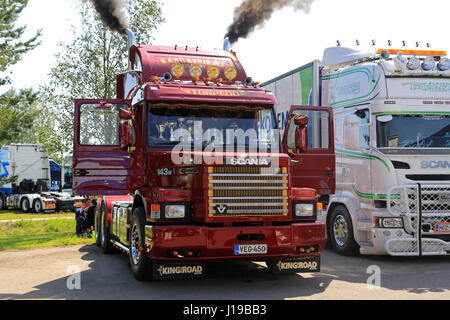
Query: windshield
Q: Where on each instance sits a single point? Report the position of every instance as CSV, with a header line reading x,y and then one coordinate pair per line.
x,y
414,131
169,125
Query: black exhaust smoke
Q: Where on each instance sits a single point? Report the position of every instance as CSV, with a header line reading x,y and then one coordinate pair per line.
x,y
253,13
112,13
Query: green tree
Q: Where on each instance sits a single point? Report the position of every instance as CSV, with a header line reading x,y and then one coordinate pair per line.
x,y
87,67
18,114
12,47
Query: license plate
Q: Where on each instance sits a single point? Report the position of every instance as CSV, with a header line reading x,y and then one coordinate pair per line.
x,y
442,227
250,249
445,197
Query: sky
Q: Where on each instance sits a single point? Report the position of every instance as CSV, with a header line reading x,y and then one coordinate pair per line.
x,y
288,40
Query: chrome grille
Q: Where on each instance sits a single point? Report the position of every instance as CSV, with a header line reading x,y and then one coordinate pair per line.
x,y
247,191
434,206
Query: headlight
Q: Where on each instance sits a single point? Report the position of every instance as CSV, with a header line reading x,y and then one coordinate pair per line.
x,y
444,64
175,211
428,64
304,210
413,63
389,222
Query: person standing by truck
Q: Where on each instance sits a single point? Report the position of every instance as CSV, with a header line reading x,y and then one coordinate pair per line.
x,y
80,216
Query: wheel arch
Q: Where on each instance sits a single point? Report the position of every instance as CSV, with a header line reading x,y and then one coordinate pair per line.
x,y
348,204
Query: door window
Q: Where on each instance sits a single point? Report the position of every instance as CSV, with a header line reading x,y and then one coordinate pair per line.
x,y
318,129
364,128
99,126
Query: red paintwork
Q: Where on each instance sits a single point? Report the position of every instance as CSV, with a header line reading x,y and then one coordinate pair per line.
x,y
157,60
316,164
109,204
218,243
112,171
209,94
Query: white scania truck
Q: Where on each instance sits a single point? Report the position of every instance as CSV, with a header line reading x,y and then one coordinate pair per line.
x,y
30,191
391,112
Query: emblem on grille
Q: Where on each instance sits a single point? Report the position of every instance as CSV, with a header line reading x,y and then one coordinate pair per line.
x,y
221,208
249,161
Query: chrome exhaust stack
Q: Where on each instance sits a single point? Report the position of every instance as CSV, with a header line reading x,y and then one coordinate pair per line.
x,y
131,42
226,44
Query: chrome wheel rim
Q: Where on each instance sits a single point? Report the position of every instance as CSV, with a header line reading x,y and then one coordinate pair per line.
x,y
37,206
25,205
102,239
96,228
340,230
135,237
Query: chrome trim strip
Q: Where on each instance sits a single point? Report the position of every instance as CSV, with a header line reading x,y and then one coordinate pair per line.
x,y
248,181
249,211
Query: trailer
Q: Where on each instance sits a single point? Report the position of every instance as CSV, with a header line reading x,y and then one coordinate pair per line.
x,y
179,188
27,168
392,142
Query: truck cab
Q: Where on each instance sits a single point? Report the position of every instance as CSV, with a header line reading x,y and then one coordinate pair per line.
x,y
190,167
392,139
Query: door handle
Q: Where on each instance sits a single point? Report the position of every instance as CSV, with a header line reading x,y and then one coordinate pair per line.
x,y
81,172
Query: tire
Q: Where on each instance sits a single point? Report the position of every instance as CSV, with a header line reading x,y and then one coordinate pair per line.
x,y
340,231
141,265
25,205
105,235
97,229
37,206
2,202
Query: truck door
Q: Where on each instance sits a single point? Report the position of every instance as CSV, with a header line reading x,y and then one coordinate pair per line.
x,y
102,164
316,167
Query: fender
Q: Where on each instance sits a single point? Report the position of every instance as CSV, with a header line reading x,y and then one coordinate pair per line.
x,y
108,200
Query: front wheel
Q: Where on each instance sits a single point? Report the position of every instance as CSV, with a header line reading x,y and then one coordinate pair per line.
x,y
141,265
341,232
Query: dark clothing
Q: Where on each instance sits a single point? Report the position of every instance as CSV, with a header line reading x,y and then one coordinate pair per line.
x,y
85,218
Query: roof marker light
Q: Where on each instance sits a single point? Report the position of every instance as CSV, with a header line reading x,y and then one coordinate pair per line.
x,y
415,52
444,64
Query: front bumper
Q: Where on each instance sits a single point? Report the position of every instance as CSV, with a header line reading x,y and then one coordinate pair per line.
x,y
396,242
218,243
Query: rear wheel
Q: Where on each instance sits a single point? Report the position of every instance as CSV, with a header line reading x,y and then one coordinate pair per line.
x,y
97,229
2,202
105,237
140,264
37,206
341,232
25,205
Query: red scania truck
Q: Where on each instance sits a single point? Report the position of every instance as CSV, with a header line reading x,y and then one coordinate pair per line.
x,y
190,168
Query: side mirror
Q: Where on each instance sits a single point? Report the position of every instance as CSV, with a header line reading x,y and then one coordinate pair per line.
x,y
301,135
125,114
126,136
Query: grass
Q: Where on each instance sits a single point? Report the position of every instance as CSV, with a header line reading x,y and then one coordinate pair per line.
x,y
42,233
15,214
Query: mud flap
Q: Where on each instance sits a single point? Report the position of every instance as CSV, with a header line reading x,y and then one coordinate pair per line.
x,y
307,264
177,270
